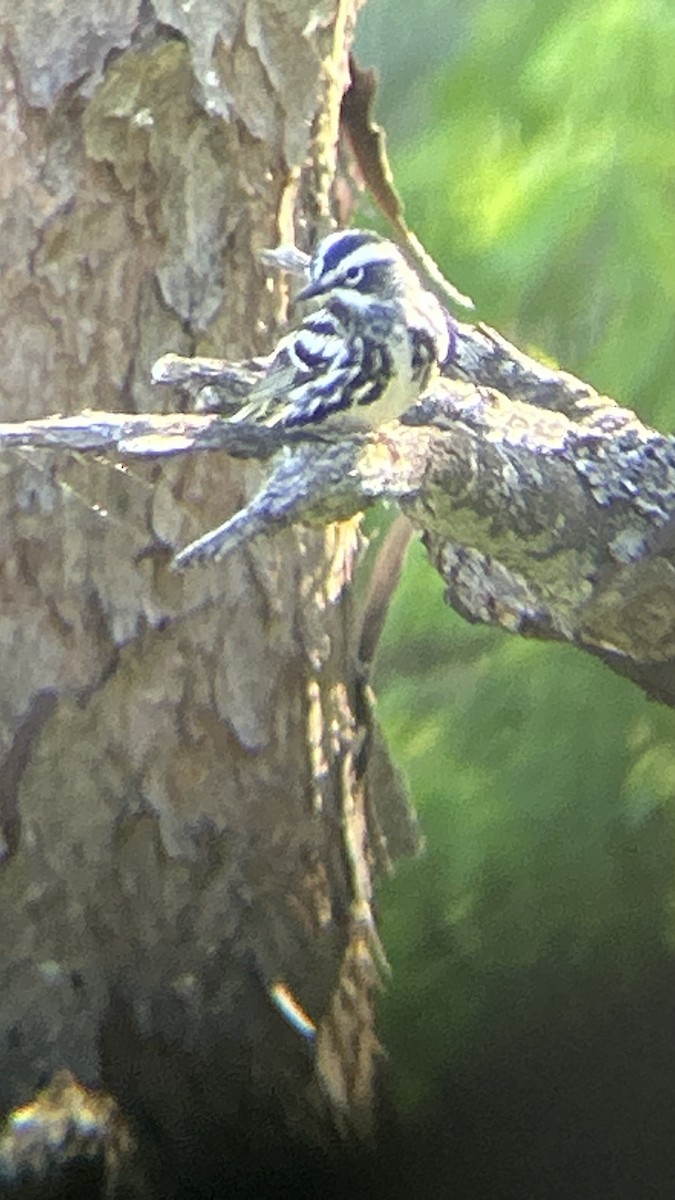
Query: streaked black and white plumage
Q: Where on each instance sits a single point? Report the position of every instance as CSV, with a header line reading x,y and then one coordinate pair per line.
x,y
365,355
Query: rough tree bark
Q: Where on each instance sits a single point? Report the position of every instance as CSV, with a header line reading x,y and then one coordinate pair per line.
x,y
547,509
188,835
193,795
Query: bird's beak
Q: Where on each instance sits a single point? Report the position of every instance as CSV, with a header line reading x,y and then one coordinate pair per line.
x,y
310,290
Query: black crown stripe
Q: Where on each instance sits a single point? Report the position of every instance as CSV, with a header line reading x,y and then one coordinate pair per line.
x,y
351,240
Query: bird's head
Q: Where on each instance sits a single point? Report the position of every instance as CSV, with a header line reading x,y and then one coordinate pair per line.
x,y
357,267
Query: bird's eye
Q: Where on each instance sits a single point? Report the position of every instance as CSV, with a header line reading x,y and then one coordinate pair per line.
x,y
354,276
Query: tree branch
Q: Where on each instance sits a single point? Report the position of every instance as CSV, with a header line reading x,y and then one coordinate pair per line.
x,y
546,510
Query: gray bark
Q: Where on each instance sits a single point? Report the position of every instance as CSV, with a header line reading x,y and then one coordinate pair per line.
x,y
547,509
188,831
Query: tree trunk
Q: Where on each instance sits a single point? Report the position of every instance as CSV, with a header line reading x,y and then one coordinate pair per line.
x,y
188,833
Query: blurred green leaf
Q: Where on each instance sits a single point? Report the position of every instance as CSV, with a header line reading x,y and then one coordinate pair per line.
x,y
534,147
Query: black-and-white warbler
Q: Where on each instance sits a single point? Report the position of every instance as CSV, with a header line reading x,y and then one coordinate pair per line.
x,y
366,354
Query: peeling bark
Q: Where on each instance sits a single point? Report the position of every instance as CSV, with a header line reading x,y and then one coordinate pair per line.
x,y
188,821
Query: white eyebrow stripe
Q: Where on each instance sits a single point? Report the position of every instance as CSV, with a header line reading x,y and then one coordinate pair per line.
x,y
329,244
362,256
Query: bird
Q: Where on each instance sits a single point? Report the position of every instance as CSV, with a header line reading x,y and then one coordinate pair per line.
x,y
365,354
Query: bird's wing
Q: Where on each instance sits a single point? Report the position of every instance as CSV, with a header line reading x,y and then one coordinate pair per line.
x,y
317,370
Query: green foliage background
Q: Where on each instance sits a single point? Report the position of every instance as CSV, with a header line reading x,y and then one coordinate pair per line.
x,y
534,147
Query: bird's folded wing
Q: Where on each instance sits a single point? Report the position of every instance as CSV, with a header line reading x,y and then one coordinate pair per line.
x,y
307,379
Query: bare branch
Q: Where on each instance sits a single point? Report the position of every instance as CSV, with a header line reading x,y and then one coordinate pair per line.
x,y
147,436
484,357
546,511
537,523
